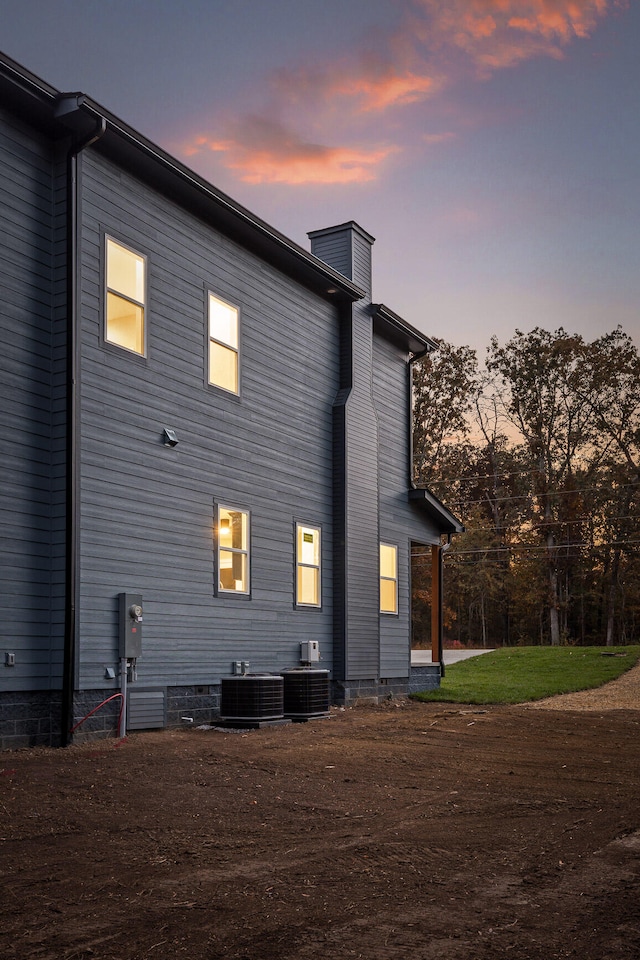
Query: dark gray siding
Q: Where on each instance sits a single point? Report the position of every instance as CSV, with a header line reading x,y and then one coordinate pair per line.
x,y
348,248
147,510
26,252
59,409
335,248
362,537
361,261
400,523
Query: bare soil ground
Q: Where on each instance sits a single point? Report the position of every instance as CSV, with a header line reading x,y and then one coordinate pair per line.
x,y
407,830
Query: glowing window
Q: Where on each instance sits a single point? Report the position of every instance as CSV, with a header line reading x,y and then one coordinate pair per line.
x,y
223,344
307,565
125,297
388,578
233,550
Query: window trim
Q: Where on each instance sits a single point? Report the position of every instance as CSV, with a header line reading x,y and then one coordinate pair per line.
x,y
209,339
317,528
246,551
394,580
144,304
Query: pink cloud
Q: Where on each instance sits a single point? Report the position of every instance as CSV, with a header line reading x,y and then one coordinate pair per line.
x,y
369,82
306,132
391,90
264,151
501,33
436,138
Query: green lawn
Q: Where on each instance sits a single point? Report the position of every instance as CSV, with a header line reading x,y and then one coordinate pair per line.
x,y
519,674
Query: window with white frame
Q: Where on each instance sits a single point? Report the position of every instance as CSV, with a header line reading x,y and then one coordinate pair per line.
x,y
125,274
224,333
308,588
388,578
233,550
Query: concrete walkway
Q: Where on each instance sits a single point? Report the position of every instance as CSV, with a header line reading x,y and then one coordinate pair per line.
x,y
422,658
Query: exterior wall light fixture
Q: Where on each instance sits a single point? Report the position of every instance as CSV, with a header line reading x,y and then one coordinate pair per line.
x,y
169,437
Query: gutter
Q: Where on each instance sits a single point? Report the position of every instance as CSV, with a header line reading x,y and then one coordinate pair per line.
x,y
337,282
68,104
56,110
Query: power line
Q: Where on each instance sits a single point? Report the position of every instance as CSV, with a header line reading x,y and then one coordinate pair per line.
x,y
528,547
539,496
529,472
490,476
545,524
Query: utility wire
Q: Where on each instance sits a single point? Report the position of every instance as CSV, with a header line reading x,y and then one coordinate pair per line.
x,y
507,474
544,524
539,496
528,548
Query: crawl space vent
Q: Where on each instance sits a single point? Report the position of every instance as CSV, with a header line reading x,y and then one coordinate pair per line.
x,y
146,709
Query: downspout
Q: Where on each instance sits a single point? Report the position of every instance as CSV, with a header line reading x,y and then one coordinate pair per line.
x,y
413,359
70,104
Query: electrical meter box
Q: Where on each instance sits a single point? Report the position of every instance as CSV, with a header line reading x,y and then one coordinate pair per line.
x,y
309,651
130,625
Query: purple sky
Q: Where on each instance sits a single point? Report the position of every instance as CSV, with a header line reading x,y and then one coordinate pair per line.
x,y
492,147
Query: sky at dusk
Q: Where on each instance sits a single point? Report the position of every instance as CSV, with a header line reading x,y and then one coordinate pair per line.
x,y
492,147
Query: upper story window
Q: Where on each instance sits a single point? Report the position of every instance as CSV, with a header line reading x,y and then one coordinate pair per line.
x,y
223,344
307,565
233,550
125,300
388,578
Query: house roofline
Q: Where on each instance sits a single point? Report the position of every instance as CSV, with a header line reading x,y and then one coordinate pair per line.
x,y
399,331
62,114
436,511
340,228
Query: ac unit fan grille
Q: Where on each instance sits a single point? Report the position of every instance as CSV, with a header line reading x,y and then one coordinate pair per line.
x,y
252,698
306,693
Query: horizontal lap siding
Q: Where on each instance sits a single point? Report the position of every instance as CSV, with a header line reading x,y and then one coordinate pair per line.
x,y
399,521
147,510
335,248
362,653
26,312
348,250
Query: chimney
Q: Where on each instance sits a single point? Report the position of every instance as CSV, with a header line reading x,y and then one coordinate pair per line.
x,y
356,648
346,248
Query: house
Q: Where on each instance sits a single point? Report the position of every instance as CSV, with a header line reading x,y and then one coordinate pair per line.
x,y
200,420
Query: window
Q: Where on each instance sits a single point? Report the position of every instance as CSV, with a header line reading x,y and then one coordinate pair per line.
x,y
388,578
223,344
233,550
307,565
125,301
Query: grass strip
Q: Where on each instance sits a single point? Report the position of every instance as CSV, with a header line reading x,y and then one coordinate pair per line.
x,y
521,674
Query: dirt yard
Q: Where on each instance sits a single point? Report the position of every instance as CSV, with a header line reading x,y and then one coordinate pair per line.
x,y
407,830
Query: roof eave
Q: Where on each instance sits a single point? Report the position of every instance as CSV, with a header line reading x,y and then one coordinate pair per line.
x,y
398,331
62,114
444,520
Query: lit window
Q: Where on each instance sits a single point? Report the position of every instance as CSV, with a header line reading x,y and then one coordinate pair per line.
x,y
233,550
388,578
223,344
124,315
307,565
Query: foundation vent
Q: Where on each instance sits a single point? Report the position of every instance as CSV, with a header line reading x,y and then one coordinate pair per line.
x,y
146,709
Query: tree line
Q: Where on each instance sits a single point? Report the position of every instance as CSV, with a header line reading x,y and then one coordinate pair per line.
x,y
537,452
